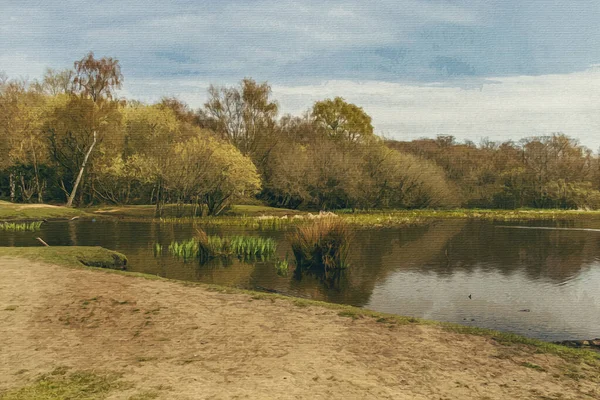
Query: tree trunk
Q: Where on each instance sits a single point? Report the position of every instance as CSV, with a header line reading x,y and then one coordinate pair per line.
x,y
74,191
13,187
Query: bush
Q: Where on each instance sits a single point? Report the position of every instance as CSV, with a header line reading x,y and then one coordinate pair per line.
x,y
322,245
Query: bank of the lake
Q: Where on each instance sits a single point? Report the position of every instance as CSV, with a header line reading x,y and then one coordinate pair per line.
x,y
155,338
36,212
246,215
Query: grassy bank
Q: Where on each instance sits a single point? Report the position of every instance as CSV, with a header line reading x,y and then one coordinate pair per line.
x,y
79,256
264,217
36,212
69,255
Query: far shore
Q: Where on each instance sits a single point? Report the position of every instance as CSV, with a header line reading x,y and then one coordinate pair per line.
x,y
244,215
99,333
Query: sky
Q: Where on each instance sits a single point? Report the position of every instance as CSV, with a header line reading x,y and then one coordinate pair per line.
x,y
475,69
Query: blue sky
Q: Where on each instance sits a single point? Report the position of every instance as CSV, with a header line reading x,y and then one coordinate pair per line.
x,y
501,69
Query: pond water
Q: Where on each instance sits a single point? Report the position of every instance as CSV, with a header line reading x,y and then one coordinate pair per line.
x,y
531,279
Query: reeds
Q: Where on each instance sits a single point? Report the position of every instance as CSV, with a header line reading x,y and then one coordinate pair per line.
x,y
158,249
323,245
20,226
187,249
250,246
204,247
282,267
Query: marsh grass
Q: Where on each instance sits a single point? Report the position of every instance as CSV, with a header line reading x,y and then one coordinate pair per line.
x,y
187,249
322,245
20,226
61,384
204,247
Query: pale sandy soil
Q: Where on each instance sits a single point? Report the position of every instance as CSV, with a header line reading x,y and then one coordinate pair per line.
x,y
186,342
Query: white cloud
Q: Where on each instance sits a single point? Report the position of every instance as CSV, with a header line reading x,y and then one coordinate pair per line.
x,y
499,109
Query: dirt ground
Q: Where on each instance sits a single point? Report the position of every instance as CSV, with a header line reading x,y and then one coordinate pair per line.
x,y
187,342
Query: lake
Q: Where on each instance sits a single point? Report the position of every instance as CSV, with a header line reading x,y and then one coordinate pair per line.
x,y
540,279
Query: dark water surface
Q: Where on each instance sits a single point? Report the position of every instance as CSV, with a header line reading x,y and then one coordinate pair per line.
x,y
426,272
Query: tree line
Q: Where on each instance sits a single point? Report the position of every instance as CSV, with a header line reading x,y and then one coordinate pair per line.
x,y
68,138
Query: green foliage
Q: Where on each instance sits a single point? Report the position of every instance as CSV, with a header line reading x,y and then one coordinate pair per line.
x,y
205,247
20,227
343,120
61,384
236,148
322,245
187,249
282,267
69,255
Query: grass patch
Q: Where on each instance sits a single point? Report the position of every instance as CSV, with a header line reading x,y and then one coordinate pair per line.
x,y
69,255
533,366
28,212
322,245
60,384
146,395
350,314
257,210
204,247
508,339
269,218
20,226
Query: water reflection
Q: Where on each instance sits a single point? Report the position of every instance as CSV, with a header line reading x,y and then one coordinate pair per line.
x,y
425,271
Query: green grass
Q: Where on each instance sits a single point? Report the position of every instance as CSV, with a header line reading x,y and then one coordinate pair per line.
x,y
533,366
61,384
170,211
20,226
254,210
269,218
205,247
28,212
408,217
69,255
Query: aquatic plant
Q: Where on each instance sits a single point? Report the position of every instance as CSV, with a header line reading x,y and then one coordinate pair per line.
x,y
158,249
322,245
20,226
187,249
282,267
203,247
250,246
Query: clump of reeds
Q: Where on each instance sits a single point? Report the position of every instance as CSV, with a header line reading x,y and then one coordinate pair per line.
x,y
322,245
187,249
205,247
250,246
20,226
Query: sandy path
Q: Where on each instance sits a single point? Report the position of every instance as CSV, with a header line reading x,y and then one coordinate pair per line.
x,y
189,343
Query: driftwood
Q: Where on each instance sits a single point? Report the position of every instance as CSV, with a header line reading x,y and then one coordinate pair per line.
x,y
42,242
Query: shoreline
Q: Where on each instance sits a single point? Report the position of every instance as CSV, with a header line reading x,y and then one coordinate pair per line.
x,y
275,218
262,338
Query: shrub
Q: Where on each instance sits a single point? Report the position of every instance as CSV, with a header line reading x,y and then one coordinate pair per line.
x,y
323,245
